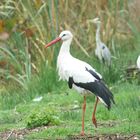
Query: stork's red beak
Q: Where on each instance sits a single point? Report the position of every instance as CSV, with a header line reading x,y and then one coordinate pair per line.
x,y
53,42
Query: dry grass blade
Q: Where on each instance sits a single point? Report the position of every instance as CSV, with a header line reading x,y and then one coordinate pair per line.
x,y
39,50
81,47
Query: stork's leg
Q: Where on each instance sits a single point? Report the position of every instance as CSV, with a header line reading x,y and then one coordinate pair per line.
x,y
93,115
83,115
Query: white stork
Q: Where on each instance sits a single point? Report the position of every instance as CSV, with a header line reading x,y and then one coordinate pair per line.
x,y
102,51
138,62
80,76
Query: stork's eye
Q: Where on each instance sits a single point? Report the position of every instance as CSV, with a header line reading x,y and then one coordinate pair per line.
x,y
64,34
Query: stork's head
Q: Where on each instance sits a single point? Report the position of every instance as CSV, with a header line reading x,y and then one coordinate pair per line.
x,y
64,36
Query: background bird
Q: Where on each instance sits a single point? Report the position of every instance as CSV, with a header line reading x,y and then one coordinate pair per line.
x,y
138,62
80,76
102,51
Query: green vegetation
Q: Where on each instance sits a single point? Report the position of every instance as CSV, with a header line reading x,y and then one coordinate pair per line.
x,y
64,109
43,117
28,70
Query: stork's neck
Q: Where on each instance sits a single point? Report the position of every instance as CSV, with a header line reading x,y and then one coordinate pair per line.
x,y
65,48
98,35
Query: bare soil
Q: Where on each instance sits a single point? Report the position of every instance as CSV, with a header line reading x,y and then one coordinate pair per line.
x,y
20,135
105,137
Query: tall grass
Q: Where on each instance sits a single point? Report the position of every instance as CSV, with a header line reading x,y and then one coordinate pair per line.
x,y
32,24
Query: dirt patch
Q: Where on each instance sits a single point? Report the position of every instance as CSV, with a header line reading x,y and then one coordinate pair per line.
x,y
21,133
104,137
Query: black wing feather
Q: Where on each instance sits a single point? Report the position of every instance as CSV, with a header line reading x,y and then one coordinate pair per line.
x,y
99,89
93,73
70,82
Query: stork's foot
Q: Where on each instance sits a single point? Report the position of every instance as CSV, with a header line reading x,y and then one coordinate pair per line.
x,y
94,121
82,133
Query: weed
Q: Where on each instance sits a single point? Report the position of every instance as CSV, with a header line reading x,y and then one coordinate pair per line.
x,y
44,117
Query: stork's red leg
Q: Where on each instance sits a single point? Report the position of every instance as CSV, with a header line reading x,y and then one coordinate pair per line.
x,y
83,115
93,115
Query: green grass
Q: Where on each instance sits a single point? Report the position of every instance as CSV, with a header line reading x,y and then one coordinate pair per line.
x,y
123,117
30,69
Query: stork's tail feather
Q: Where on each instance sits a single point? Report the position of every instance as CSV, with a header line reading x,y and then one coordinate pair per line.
x,y
104,94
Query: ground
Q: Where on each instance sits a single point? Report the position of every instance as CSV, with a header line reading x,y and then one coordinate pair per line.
x,y
120,123
21,134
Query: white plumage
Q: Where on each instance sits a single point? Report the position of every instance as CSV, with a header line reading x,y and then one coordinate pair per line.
x,y
68,66
138,62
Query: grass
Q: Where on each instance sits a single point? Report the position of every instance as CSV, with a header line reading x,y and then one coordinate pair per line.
x,y
29,70
122,118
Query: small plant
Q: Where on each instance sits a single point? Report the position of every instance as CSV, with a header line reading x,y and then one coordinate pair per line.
x,y
44,117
